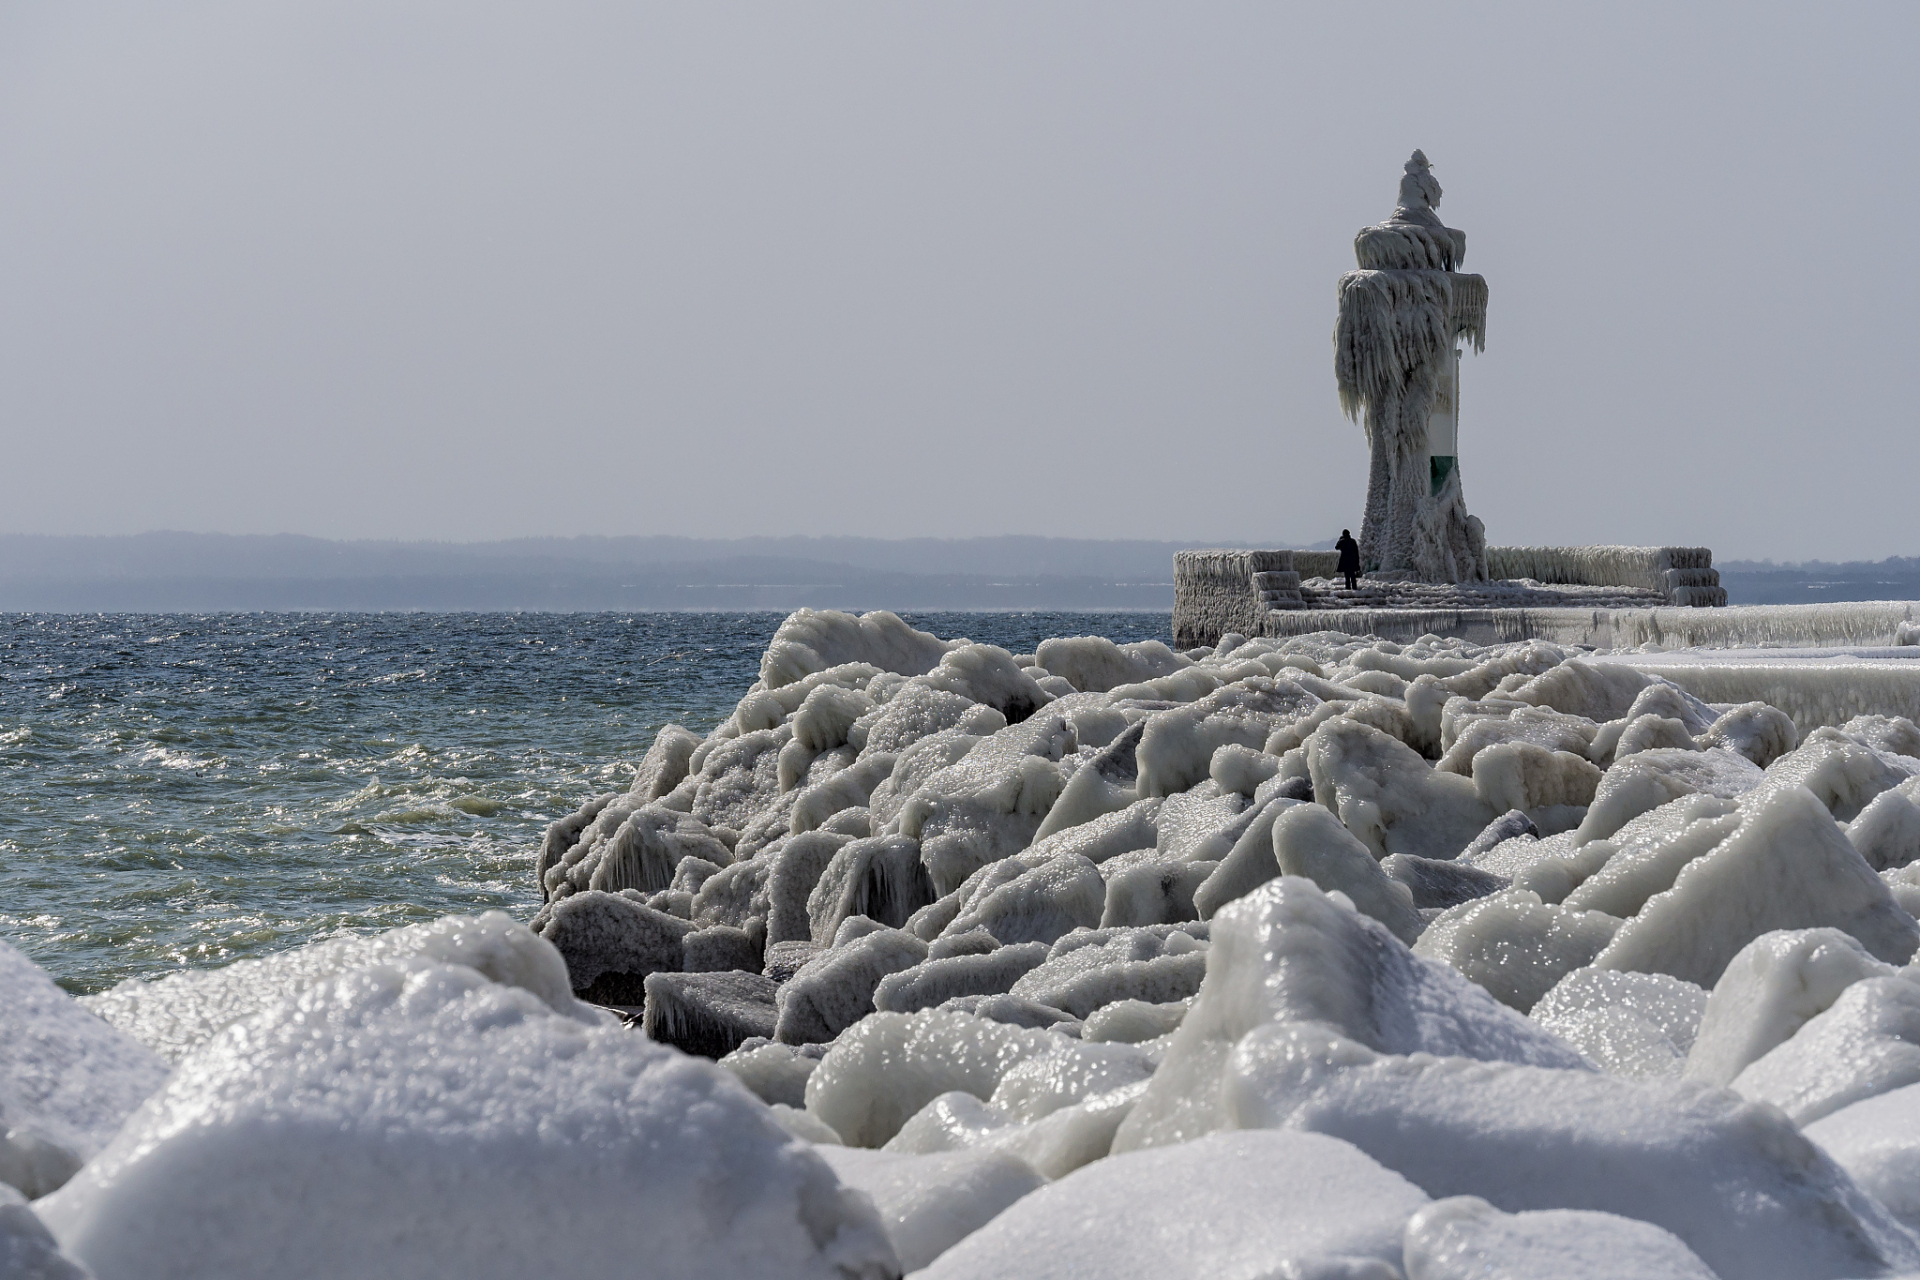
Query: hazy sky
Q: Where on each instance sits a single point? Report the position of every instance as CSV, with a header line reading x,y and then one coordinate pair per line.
x,y
471,270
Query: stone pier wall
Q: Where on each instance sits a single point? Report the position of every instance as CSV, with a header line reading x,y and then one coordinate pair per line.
x,y
1217,592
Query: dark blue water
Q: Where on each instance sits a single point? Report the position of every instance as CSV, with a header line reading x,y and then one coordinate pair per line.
x,y
188,790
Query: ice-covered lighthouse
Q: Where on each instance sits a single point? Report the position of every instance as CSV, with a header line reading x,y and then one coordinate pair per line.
x,y
1403,316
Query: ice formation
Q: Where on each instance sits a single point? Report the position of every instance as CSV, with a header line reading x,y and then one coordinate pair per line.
x,y
1321,956
1397,367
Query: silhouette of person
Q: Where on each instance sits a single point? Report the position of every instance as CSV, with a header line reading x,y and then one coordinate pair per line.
x,y
1349,558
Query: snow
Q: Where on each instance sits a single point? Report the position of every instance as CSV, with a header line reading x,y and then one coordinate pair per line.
x,y
1235,1204
66,1077
416,1119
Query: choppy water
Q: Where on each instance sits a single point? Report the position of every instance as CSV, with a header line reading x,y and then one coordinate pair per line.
x,y
188,790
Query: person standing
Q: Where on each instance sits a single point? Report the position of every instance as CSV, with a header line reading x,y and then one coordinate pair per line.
x,y
1349,558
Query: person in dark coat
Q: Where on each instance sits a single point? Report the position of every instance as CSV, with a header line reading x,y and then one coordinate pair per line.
x,y
1349,558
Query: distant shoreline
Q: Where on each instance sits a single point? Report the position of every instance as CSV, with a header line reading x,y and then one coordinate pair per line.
x,y
219,573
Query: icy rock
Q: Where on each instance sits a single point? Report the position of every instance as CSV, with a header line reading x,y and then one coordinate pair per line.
x,y
1134,1021
794,870
610,943
918,711
1775,985
1638,1026
1202,826
1893,734
890,1065
1146,888
1248,864
1298,1205
974,942
777,1073
1515,945
1652,733
1105,837
1015,1011
1389,797
1521,775
1055,1144
738,780
1644,782
880,877
27,1248
830,803
1786,866
1877,1141
1095,664
1436,884
718,948
1309,842
1465,1238
1645,857
1596,691
1178,746
65,1076
1841,771
1288,952
1060,895
176,1014
988,805
1755,730
1242,769
708,1014
1069,1074
987,674
1108,783
1511,825
665,765
929,1203
1887,832
417,1120
811,641
734,895
1087,971
1468,728
938,979
1866,1043
835,989
1733,1179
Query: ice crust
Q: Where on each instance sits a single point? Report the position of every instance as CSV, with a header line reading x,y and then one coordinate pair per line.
x,y
1248,950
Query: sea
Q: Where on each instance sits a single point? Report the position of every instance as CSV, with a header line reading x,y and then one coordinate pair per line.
x,y
189,790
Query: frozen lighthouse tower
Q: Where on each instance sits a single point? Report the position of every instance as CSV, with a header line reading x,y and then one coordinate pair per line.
x,y
1403,316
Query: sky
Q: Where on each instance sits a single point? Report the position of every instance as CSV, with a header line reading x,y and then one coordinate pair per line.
x,y
424,269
